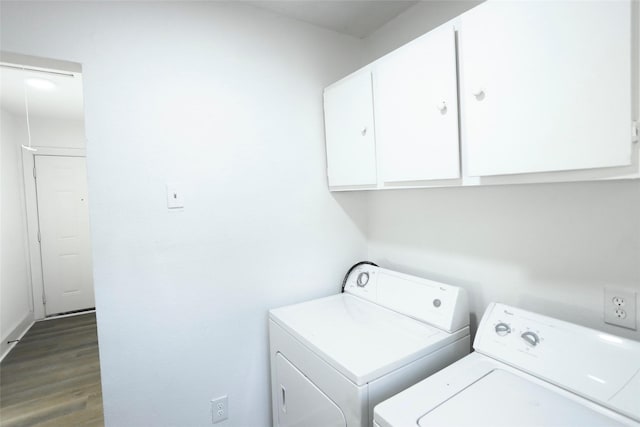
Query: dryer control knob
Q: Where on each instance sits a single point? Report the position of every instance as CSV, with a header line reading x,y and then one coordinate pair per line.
x,y
363,279
503,329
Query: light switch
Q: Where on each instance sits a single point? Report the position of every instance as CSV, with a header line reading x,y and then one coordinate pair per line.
x,y
174,197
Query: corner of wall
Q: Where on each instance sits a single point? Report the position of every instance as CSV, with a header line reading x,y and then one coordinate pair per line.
x,y
15,334
411,24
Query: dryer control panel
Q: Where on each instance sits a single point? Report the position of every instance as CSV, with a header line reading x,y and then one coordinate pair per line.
x,y
443,306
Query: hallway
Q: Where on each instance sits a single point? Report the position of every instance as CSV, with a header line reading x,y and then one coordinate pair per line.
x,y
52,377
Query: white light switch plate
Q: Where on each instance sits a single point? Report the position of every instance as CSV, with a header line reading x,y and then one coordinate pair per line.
x,y
174,197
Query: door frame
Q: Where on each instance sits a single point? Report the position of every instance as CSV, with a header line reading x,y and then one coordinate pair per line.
x,y
31,208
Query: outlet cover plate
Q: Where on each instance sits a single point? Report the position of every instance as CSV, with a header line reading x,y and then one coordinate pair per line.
x,y
219,409
620,307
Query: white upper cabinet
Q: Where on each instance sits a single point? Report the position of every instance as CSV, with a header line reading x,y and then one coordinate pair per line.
x,y
349,128
546,86
540,91
416,110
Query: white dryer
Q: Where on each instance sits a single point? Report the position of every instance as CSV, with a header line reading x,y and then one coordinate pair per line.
x,y
333,359
527,370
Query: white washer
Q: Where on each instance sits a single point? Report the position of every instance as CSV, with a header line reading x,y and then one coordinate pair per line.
x,y
333,359
527,370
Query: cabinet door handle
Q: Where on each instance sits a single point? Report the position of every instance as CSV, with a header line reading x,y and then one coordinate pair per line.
x,y
363,132
442,107
283,401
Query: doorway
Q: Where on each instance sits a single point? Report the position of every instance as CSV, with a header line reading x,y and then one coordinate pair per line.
x,y
42,101
49,355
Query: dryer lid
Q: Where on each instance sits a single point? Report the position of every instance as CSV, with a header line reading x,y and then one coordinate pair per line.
x,y
362,340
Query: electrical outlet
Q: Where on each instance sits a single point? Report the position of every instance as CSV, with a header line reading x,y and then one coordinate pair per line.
x,y
620,307
219,409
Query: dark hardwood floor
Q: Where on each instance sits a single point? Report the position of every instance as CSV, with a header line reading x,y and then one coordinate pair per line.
x,y
52,376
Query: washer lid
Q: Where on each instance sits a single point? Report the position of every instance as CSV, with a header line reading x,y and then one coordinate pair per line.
x,y
597,366
501,398
360,339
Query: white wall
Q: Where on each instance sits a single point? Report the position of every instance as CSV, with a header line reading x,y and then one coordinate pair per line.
x,y
548,248
57,132
226,101
15,301
411,24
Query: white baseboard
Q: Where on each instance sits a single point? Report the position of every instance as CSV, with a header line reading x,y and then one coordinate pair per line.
x,y
61,316
16,334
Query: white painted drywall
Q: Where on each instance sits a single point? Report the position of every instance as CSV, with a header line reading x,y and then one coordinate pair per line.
x,y
57,132
549,248
411,24
225,101
15,301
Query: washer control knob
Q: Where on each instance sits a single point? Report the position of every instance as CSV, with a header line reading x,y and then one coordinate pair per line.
x,y
363,279
503,329
531,338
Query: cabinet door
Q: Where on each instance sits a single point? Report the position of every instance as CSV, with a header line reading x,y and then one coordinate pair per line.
x,y
546,86
348,115
416,109
300,402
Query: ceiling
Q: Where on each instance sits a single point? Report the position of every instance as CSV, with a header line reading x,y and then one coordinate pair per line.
x,y
64,101
358,18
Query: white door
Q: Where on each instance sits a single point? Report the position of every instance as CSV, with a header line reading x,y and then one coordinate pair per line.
x,y
300,402
61,184
416,109
348,117
546,85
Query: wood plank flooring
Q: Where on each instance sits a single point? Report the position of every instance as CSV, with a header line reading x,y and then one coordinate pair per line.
x,y
52,376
